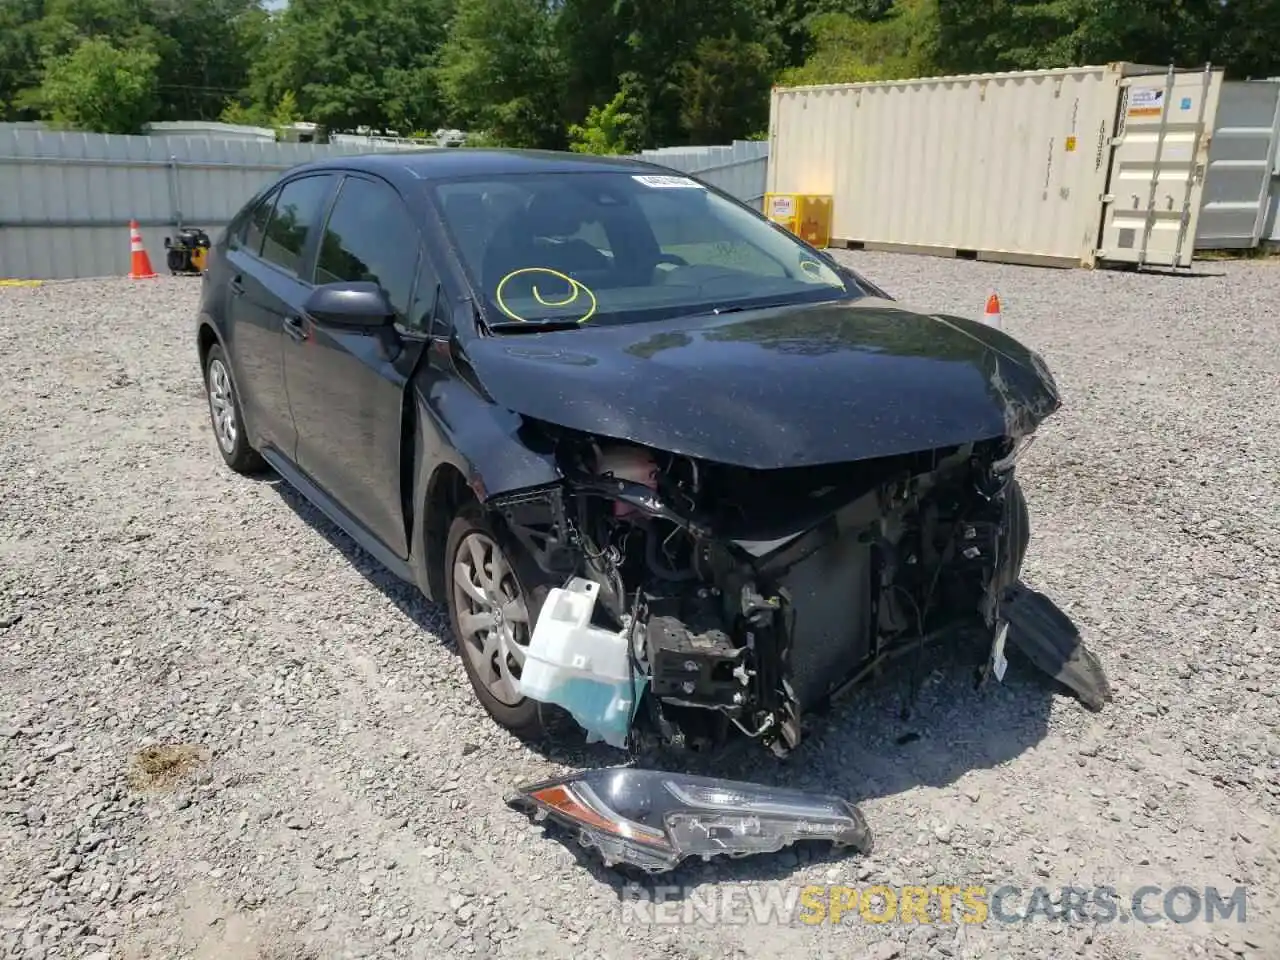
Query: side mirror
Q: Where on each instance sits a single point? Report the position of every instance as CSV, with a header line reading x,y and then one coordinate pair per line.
x,y
355,303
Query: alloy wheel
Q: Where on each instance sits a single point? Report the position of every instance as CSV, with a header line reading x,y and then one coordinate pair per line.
x,y
493,615
222,404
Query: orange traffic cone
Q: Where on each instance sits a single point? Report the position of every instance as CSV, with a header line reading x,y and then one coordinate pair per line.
x,y
991,316
139,262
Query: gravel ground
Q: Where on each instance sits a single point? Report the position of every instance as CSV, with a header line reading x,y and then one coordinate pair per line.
x,y
225,733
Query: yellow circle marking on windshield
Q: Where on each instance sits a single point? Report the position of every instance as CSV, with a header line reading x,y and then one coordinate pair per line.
x,y
812,268
576,290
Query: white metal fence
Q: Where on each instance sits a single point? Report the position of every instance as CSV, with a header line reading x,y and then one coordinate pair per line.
x,y
66,198
740,169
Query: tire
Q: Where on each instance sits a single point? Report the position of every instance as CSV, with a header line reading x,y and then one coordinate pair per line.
x,y
520,580
226,416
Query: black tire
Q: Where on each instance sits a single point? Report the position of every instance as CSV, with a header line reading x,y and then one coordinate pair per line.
x,y
221,394
527,719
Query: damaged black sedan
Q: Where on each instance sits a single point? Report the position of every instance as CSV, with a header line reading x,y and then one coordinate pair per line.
x,y
674,472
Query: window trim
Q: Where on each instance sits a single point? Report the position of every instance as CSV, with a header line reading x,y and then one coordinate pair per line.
x,y
240,227
307,254
423,252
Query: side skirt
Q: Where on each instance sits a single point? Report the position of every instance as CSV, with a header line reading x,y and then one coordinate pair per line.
x,y
331,509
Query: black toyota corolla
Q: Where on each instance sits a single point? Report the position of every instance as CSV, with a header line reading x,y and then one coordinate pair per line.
x,y
675,473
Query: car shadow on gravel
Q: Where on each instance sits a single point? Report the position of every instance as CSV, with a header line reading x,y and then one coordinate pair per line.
x,y
922,723
431,617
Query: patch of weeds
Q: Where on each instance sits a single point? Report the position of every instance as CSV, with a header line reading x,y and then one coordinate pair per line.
x,y
163,764
1267,252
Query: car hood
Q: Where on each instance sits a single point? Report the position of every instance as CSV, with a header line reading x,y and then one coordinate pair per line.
x,y
782,387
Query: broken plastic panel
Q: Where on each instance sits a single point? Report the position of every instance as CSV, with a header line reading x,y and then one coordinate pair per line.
x,y
654,820
581,667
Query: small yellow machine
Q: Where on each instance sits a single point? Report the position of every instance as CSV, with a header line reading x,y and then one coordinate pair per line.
x,y
187,251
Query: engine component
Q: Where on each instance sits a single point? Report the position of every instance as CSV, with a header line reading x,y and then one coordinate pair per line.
x,y
633,464
579,666
692,659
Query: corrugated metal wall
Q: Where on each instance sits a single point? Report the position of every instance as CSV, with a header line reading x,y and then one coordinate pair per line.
x,y
66,198
740,169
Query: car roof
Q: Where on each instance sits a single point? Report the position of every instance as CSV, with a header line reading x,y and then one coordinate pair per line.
x,y
443,163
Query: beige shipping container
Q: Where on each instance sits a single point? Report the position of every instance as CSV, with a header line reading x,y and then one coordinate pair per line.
x,y
1013,166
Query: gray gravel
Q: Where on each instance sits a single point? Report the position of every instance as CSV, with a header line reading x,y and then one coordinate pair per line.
x,y
344,793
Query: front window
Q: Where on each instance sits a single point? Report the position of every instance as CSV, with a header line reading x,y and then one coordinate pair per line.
x,y
620,247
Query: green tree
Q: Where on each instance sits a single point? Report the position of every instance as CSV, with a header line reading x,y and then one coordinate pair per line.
x,y
662,40
20,67
901,44
206,51
990,35
978,36
501,71
101,88
620,126
793,21
354,63
1249,38
587,33
726,83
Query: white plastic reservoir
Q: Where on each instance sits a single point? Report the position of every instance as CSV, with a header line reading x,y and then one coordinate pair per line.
x,y
580,667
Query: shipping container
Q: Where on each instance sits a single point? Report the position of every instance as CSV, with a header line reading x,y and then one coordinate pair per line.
x,y
1242,155
1059,167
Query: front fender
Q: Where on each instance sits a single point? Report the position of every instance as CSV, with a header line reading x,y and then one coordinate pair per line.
x,y
459,433
484,439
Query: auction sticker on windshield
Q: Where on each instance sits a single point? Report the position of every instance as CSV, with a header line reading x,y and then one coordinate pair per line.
x,y
650,180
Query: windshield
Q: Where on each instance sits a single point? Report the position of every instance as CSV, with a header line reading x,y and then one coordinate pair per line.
x,y
614,247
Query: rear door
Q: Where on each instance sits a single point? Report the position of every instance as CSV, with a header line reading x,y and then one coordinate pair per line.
x,y
1158,162
255,349
269,288
347,387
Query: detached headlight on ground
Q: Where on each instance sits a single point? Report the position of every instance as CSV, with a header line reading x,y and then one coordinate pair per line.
x,y
653,820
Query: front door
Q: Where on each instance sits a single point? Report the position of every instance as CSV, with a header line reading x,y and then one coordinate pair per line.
x,y
347,387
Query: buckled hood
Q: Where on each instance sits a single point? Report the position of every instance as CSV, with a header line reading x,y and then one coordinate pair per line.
x,y
782,387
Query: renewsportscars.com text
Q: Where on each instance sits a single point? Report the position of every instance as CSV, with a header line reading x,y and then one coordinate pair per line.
x,y
939,903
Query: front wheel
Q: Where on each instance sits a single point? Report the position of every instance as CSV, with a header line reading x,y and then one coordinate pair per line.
x,y
227,417
495,595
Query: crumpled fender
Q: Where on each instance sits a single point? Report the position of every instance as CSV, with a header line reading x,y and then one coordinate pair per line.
x,y
459,429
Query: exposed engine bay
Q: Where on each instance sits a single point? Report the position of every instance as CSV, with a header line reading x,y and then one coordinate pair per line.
x,y
739,599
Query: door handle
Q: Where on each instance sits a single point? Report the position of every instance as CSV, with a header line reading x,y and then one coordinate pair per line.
x,y
294,328
237,288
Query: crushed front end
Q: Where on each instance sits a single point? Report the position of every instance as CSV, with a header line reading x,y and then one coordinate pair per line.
x,y
700,601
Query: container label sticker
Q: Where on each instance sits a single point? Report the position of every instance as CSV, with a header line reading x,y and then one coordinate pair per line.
x,y
1144,102
782,208
1186,104
1071,144
663,182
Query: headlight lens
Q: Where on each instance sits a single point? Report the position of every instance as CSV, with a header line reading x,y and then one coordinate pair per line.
x,y
654,820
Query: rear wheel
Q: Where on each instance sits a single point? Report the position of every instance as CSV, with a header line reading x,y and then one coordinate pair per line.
x,y
495,594
226,416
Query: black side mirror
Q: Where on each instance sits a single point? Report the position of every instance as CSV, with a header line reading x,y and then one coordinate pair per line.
x,y
354,303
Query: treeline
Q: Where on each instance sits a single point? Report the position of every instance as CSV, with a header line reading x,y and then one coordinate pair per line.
x,y
594,75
